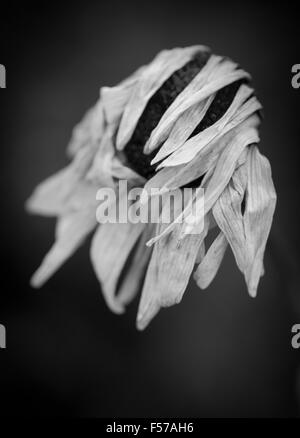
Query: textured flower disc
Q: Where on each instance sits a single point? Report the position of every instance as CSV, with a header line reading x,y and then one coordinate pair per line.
x,y
159,103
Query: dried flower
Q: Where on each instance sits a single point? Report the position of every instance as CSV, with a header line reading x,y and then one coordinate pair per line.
x,y
187,118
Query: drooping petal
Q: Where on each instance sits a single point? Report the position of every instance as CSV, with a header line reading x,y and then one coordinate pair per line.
x,y
226,165
133,277
183,128
170,267
110,248
201,253
50,198
209,265
247,233
227,212
71,230
258,216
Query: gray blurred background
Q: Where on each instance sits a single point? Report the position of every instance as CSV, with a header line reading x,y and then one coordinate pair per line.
x,y
219,353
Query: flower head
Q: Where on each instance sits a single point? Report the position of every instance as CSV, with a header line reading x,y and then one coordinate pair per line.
x,y
188,119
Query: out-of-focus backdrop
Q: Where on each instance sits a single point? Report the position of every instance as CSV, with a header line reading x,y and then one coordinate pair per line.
x,y
218,353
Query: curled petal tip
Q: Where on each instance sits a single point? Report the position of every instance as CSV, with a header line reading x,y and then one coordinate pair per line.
x,y
252,292
116,307
147,149
140,325
32,206
145,315
141,322
36,280
200,283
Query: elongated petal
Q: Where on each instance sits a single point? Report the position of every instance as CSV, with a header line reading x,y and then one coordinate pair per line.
x,y
72,229
201,253
110,248
48,199
136,271
258,216
228,215
168,274
210,263
183,128
151,79
170,267
226,165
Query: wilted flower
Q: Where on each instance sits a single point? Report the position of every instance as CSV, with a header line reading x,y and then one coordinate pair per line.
x,y
189,118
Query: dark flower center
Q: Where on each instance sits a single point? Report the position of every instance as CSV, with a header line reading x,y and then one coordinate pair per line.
x,y
160,102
